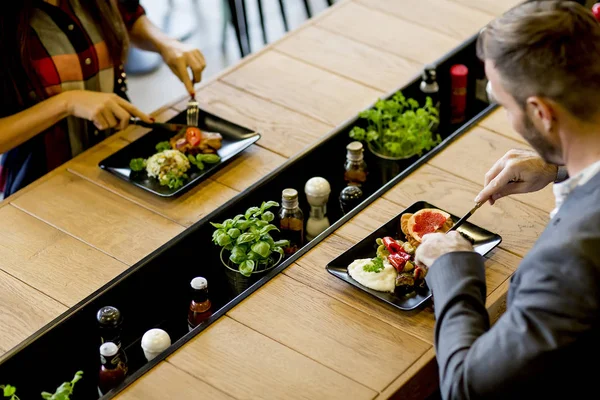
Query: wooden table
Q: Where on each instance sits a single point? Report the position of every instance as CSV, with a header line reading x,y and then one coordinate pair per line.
x,y
305,334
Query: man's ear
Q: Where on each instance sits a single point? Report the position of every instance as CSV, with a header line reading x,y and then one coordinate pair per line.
x,y
541,112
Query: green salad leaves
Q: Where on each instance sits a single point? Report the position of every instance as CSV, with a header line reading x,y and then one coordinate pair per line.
x,y
63,392
398,127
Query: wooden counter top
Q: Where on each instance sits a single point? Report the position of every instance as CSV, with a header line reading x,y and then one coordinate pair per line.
x,y
305,334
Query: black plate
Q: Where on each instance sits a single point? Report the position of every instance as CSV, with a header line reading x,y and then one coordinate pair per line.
x,y
235,140
483,241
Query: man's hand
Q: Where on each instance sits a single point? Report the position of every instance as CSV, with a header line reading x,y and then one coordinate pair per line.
x,y
435,245
519,171
179,57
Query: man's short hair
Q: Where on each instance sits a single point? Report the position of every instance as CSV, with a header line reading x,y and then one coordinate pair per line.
x,y
549,49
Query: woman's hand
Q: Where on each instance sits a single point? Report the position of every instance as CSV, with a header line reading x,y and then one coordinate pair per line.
x,y
105,110
519,171
179,57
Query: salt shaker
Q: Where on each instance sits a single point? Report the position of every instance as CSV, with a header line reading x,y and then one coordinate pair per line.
x,y
317,191
154,342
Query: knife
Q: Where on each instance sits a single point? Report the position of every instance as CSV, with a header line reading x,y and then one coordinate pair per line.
x,y
160,125
465,217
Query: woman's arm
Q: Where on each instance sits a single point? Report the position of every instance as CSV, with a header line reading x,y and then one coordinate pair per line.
x,y
106,110
18,128
178,56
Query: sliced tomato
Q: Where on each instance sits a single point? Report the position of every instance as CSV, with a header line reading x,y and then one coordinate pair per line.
x,y
193,136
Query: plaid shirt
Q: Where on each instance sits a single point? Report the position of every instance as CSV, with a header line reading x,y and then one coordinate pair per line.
x,y
68,53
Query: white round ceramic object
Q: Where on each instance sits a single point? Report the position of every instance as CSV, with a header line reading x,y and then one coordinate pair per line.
x,y
317,191
154,342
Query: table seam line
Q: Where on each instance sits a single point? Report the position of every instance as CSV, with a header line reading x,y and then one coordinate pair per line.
x,y
108,189
195,377
302,354
285,53
352,306
80,239
462,39
37,290
326,28
479,125
323,121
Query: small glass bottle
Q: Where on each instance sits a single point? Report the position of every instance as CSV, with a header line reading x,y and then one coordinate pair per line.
x,y
113,370
355,168
110,324
291,221
429,85
350,197
200,306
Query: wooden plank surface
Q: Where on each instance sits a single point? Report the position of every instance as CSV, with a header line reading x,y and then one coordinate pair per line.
x,y
51,261
185,209
24,311
98,217
302,87
305,334
472,155
245,170
517,223
248,365
357,61
286,135
444,16
169,382
389,33
363,348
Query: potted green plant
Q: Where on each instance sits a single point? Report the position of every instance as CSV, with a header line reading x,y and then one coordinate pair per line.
x,y
398,128
247,248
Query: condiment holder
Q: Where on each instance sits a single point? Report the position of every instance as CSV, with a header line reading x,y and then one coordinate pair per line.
x,y
154,342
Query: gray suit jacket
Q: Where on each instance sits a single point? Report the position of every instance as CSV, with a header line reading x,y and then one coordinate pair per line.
x,y
538,347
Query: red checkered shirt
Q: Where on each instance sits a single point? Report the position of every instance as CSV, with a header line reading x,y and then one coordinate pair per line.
x,y
69,53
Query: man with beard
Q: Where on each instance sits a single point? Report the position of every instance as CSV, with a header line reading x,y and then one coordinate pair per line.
x,y
543,61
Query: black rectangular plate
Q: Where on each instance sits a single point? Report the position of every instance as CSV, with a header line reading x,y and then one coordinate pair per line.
x,y
235,140
483,242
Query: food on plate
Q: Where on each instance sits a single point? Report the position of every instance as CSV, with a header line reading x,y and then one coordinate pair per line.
x,y
169,167
394,262
374,273
194,141
427,220
170,164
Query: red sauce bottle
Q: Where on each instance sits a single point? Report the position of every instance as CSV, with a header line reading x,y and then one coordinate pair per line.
x,y
113,369
200,306
458,100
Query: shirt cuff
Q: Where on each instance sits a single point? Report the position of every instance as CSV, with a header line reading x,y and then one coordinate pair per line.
x,y
453,273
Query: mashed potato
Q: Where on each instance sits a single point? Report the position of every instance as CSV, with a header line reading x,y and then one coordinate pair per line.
x,y
383,281
167,163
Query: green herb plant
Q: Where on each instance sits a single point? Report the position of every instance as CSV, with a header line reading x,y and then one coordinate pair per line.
x,y
9,392
248,240
63,392
376,265
399,127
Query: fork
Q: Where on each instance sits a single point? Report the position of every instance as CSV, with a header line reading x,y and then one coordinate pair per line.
x,y
192,111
